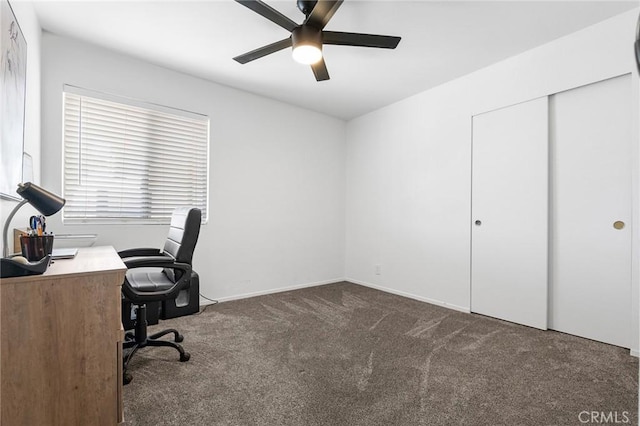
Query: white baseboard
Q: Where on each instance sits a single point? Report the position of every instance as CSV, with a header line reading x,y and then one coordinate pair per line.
x,y
466,310
274,290
635,352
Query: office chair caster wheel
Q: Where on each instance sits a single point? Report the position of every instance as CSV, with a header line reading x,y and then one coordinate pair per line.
x,y
185,357
126,378
179,338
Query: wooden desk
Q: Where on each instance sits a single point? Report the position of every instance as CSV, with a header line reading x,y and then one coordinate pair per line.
x,y
60,343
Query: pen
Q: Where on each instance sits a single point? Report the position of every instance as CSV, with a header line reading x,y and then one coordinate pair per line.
x,y
33,225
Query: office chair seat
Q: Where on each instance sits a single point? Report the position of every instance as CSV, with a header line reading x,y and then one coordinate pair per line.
x,y
145,281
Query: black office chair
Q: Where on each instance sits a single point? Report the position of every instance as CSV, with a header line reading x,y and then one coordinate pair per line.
x,y
172,273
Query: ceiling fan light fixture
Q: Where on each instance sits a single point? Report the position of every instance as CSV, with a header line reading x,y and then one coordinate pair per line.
x,y
307,54
307,45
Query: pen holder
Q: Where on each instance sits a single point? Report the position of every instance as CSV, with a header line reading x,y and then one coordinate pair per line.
x,y
35,248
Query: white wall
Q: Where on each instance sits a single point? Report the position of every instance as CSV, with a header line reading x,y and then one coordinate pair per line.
x,y
277,177
409,164
26,16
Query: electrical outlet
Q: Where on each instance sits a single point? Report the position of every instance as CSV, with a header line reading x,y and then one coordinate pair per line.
x,y
378,270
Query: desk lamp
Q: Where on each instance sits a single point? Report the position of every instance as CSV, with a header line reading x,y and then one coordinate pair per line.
x,y
43,201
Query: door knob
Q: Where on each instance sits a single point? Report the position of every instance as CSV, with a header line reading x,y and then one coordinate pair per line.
x,y
478,222
618,224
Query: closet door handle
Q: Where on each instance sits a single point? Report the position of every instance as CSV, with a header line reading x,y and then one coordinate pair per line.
x,y
618,224
478,222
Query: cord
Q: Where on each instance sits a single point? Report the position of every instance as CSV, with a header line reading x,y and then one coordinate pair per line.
x,y
215,302
134,348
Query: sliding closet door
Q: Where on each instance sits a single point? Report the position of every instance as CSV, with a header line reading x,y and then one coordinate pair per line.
x,y
590,136
509,243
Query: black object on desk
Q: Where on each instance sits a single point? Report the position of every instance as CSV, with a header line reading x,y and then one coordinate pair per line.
x,y
44,201
10,268
36,247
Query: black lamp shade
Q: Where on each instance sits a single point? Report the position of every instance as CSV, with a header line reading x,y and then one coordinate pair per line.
x,y
43,201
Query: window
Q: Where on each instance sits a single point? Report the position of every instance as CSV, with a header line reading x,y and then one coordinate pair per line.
x,y
131,162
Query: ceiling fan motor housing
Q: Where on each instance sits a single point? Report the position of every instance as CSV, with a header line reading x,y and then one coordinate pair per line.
x,y
306,35
306,6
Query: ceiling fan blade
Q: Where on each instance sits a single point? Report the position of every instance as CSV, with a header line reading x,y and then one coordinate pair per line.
x,y
270,13
320,70
263,51
322,12
357,39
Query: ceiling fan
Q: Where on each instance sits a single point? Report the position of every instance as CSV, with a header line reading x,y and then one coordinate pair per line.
x,y
307,38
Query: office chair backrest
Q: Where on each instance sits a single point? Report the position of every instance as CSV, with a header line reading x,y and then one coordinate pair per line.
x,y
183,236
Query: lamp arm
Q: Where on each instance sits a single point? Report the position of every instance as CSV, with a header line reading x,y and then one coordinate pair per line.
x,y
5,248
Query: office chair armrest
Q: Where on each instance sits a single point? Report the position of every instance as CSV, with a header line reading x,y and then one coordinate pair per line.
x,y
155,262
139,252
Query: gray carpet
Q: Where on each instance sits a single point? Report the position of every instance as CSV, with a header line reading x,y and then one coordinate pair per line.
x,y
343,354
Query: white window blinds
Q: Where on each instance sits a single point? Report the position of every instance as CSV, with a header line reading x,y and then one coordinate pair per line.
x,y
128,162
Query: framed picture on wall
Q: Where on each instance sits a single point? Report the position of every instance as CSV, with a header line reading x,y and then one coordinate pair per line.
x,y
13,85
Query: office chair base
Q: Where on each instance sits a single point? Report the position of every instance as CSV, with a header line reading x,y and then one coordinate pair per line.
x,y
177,337
139,339
126,378
135,346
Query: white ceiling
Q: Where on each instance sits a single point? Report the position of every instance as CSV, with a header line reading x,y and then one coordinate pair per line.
x,y
440,41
